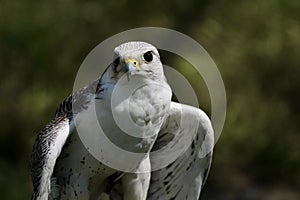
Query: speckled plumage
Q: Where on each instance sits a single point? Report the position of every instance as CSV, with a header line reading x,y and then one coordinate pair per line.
x,y
62,167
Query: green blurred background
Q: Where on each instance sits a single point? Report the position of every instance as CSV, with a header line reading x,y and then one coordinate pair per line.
x,y
255,44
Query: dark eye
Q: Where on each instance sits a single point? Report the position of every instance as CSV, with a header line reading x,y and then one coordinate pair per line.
x,y
116,61
148,56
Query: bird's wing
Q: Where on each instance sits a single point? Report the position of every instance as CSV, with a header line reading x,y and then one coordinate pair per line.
x,y
181,155
46,150
52,138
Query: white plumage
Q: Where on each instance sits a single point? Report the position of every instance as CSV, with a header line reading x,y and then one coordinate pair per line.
x,y
175,141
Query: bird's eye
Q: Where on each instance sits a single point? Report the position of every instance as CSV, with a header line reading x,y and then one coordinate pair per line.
x,y
148,57
116,61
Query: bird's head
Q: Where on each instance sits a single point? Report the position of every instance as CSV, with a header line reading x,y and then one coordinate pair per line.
x,y
137,59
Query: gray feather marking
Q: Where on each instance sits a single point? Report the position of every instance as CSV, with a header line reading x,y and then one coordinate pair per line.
x,y
184,178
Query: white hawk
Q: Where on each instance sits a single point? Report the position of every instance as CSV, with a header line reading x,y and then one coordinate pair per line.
x,y
63,168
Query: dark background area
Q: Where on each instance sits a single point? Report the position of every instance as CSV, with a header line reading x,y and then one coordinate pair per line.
x,y
255,45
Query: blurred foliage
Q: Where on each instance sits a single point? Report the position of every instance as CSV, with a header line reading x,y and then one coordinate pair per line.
x,y
255,44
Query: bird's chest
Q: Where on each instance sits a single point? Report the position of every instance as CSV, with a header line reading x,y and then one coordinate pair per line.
x,y
133,114
136,110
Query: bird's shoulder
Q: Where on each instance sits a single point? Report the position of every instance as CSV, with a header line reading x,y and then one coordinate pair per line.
x,y
79,100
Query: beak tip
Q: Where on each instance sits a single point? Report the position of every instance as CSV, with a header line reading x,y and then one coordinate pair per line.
x,y
130,68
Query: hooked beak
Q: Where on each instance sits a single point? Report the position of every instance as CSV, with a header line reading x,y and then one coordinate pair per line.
x,y
131,66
